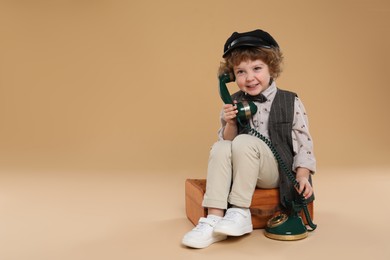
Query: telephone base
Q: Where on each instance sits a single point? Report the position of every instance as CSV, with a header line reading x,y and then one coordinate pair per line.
x,y
286,228
286,237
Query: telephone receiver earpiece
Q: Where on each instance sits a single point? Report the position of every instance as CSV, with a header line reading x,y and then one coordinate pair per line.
x,y
246,109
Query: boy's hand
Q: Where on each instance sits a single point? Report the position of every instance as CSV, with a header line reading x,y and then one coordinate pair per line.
x,y
230,113
304,184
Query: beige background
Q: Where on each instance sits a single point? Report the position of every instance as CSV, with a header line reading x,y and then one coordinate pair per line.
x,y
106,107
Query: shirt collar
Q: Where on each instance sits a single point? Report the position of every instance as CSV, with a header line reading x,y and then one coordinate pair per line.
x,y
268,92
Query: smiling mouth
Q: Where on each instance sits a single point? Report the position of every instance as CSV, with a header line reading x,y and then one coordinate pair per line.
x,y
252,86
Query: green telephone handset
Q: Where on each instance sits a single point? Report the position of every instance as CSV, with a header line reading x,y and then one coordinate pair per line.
x,y
245,108
282,226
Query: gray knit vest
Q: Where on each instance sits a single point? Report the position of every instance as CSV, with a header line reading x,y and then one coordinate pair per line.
x,y
280,127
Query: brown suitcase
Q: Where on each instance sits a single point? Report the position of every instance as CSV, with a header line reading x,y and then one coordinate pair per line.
x,y
265,203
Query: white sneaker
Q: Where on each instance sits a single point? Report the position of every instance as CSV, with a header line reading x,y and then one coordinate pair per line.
x,y
236,222
203,234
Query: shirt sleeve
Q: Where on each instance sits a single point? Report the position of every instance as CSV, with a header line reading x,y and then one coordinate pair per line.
x,y
302,141
222,128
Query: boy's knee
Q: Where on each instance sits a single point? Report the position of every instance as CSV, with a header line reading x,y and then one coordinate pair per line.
x,y
221,148
242,142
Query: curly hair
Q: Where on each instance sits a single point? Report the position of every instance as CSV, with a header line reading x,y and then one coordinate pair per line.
x,y
273,57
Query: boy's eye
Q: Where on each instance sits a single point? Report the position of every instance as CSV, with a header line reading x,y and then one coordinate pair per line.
x,y
258,68
238,72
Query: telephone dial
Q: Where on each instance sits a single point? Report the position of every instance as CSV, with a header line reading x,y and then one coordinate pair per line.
x,y
282,226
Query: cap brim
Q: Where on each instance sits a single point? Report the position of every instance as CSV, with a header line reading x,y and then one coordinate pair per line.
x,y
246,43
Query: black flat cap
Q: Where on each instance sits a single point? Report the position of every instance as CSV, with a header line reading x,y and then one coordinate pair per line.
x,y
256,38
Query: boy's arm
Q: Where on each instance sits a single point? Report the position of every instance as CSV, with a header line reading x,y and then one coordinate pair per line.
x,y
302,140
230,131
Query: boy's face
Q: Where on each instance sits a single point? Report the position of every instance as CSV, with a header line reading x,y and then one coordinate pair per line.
x,y
252,77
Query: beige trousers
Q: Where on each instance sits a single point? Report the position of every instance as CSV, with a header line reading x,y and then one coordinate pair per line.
x,y
235,169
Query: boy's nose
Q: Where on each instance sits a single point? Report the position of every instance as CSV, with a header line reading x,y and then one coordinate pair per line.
x,y
250,77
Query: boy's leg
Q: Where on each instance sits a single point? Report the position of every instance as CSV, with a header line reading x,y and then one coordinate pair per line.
x,y
219,177
253,165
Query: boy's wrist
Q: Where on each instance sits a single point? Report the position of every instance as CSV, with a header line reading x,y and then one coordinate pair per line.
x,y
302,173
232,124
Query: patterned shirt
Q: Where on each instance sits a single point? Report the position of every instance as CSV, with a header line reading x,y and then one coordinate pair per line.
x,y
302,141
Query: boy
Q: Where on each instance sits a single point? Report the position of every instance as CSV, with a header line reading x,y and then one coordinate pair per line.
x,y
239,162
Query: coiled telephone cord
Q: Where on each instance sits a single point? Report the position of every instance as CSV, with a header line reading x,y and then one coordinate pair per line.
x,y
288,173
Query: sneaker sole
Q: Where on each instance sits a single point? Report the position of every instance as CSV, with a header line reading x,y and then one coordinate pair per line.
x,y
234,232
203,244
